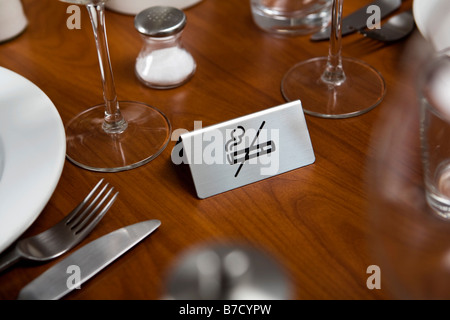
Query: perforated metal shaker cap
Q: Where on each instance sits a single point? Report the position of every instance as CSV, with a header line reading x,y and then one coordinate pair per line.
x,y
160,21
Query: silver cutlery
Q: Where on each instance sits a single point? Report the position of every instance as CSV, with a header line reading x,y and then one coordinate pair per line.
x,y
85,263
396,28
358,19
67,233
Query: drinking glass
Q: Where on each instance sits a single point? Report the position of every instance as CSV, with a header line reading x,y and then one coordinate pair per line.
x,y
408,240
291,17
334,86
434,99
113,136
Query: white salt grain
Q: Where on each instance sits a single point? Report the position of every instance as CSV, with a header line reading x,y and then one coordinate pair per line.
x,y
165,67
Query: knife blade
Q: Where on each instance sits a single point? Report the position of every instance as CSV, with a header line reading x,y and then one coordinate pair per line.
x,y
358,19
54,283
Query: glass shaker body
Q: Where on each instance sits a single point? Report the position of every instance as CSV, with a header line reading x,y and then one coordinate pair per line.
x,y
163,62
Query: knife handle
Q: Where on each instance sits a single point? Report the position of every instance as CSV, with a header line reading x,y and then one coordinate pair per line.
x,y
9,258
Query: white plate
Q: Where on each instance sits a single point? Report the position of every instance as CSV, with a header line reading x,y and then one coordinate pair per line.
x,y
32,154
133,7
433,20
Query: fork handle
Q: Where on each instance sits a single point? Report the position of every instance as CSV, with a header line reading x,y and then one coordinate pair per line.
x,y
8,258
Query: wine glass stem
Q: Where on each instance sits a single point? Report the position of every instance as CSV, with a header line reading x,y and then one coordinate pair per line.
x,y
334,73
113,119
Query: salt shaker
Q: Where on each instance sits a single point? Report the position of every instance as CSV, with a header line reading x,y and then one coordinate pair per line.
x,y
163,62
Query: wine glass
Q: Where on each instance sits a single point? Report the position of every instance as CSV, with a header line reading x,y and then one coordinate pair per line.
x,y
113,136
334,86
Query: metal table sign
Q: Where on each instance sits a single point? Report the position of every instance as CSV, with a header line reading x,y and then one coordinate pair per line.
x,y
244,150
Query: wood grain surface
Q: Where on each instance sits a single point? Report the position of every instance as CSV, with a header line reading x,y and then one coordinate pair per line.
x,y
315,221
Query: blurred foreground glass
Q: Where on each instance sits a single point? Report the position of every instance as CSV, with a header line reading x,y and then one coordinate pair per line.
x,y
291,17
113,136
409,241
435,134
221,271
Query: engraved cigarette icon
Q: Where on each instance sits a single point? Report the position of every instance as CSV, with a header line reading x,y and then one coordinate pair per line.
x,y
251,152
240,156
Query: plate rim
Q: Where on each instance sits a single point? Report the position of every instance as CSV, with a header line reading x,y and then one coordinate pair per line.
x,y
131,9
11,231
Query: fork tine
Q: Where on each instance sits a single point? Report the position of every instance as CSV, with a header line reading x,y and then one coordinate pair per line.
x,y
81,224
75,211
80,230
81,216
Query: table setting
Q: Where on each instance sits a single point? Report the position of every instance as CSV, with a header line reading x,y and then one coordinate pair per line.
x,y
224,150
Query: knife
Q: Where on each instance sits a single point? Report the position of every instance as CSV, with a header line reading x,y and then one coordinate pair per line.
x,y
358,19
56,282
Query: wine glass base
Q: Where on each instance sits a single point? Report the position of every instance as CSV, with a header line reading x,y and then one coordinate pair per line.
x,y
90,147
363,89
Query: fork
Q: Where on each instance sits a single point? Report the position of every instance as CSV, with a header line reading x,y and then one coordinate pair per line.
x,y
64,235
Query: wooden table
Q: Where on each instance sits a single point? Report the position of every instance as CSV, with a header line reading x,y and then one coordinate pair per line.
x,y
314,220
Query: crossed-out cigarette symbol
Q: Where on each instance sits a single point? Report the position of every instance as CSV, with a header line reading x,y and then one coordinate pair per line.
x,y
241,156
